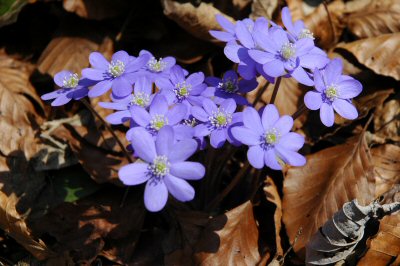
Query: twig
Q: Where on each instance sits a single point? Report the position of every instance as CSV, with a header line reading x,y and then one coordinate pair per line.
x,y
275,92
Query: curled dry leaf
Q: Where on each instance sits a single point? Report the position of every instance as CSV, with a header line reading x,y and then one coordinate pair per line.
x,y
196,20
379,53
384,247
387,120
327,23
375,18
95,9
271,191
386,159
340,235
21,109
289,97
331,177
230,239
11,221
260,8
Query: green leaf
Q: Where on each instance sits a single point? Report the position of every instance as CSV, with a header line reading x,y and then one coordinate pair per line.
x,y
9,10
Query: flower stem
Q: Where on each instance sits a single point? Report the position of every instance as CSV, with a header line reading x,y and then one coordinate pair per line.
x,y
214,203
108,127
260,93
300,111
275,92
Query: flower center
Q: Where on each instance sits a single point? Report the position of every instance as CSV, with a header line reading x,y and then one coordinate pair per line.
x,y
331,92
229,86
182,90
271,137
192,122
156,65
306,33
71,81
160,167
116,68
288,50
140,99
220,119
158,121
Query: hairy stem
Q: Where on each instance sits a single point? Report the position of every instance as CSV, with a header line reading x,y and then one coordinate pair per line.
x,y
300,111
260,93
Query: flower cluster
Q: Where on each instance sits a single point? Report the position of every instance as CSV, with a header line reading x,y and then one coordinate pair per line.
x,y
171,113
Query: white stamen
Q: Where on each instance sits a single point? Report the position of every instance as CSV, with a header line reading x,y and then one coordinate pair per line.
x,y
116,68
71,81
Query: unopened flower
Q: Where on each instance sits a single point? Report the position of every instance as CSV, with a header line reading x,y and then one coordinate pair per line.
x,y
163,167
333,91
229,87
217,121
116,74
269,140
71,87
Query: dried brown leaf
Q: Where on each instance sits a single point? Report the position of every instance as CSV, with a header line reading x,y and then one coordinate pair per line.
x,y
20,108
379,53
386,159
327,23
387,120
331,177
289,97
230,239
95,9
195,20
261,8
374,18
271,191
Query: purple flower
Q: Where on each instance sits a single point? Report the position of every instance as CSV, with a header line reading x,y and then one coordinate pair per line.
x,y
160,115
217,121
117,74
269,140
281,56
229,29
156,69
334,91
181,89
297,30
229,87
141,97
71,88
164,167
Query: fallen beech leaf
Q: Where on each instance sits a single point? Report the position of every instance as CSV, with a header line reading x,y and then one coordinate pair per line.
x,y
261,8
20,108
66,53
387,120
378,53
11,221
331,177
230,239
386,159
376,18
327,34
96,225
96,150
95,9
289,97
340,235
196,20
296,9
271,191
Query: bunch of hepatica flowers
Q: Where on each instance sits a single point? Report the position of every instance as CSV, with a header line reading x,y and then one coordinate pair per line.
x,y
172,114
